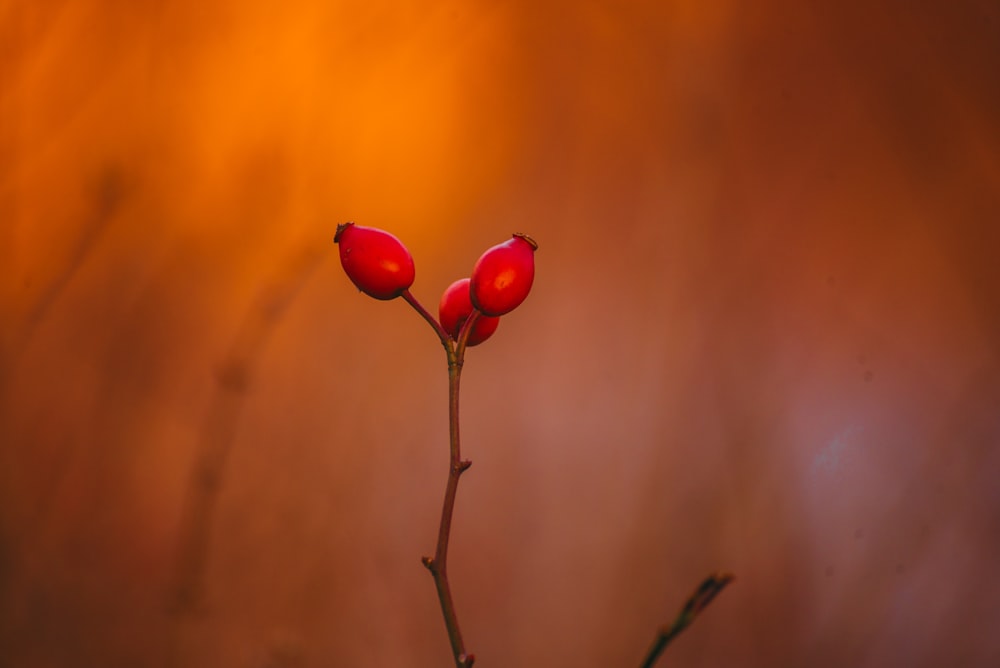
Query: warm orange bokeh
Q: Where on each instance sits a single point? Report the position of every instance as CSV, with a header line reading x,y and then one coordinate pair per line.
x,y
762,338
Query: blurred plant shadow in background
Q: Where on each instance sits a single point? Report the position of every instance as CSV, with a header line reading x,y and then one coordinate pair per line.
x,y
762,338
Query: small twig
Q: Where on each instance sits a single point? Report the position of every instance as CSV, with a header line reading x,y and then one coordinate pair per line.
x,y
435,325
702,596
438,564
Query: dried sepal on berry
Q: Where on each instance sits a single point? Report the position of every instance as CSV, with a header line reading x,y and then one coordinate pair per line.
x,y
503,275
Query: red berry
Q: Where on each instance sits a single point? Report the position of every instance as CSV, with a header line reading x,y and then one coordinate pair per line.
x,y
375,261
455,309
503,275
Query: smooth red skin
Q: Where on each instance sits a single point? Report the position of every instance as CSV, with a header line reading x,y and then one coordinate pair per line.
x,y
375,261
502,277
455,309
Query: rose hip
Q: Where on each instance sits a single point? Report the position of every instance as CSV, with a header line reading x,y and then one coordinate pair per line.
x,y
455,309
375,261
503,275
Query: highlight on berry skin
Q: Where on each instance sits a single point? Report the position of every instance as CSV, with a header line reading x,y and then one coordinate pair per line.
x,y
376,261
455,309
502,277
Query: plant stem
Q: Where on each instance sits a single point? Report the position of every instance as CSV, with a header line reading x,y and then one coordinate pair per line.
x,y
702,596
438,564
435,325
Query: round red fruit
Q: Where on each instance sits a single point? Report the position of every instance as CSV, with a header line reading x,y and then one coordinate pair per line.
x,y
455,309
375,261
503,275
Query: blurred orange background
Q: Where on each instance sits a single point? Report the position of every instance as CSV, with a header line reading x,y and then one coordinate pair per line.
x,y
763,335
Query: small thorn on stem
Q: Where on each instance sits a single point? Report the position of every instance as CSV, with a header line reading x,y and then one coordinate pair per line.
x,y
428,562
467,659
464,464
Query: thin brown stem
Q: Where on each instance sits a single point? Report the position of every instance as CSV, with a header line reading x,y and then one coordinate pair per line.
x,y
702,596
435,325
438,564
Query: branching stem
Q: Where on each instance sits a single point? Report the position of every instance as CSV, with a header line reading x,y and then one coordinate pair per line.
x,y
435,325
438,564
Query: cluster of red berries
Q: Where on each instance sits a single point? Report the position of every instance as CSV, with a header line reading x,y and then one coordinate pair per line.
x,y
381,267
